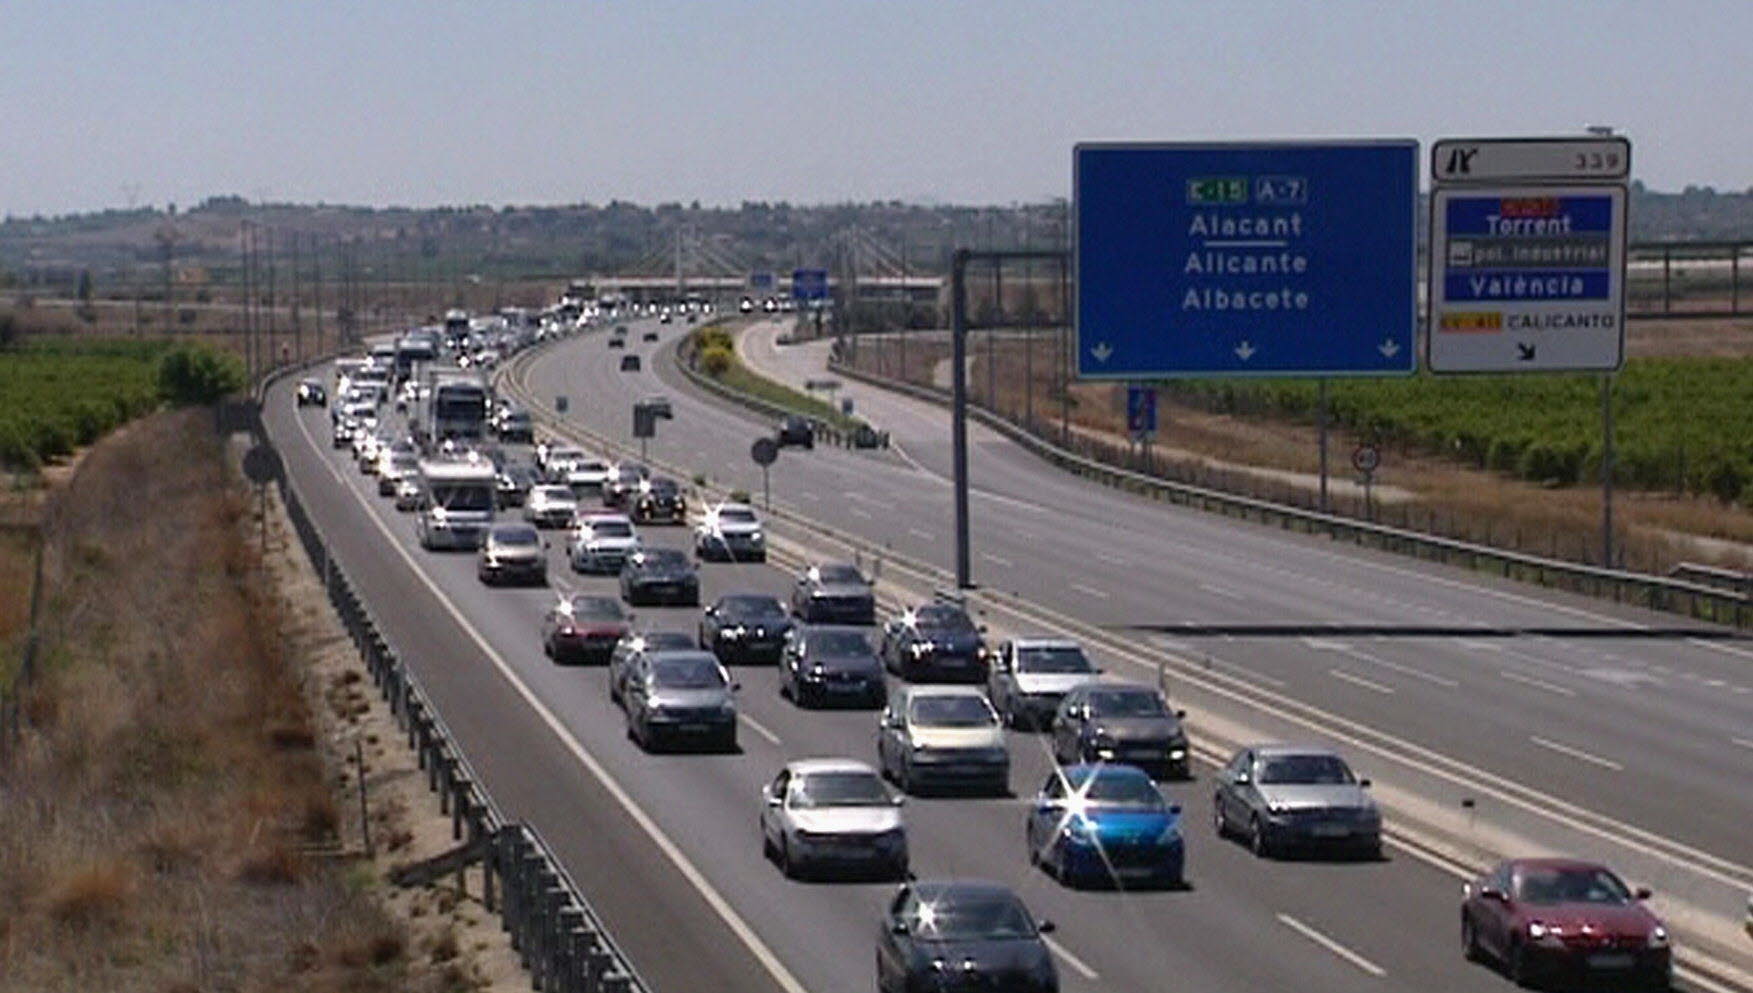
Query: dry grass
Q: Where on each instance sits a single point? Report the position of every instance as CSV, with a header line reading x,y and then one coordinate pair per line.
x,y
153,827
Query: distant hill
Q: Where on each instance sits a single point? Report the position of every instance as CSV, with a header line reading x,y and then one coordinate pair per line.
x,y
618,237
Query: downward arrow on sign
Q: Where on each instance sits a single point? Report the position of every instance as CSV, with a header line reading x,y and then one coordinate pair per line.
x,y
1245,351
1102,351
1389,347
1524,351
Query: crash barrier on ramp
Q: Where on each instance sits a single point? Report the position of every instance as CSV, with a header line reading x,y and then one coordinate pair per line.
x,y
862,435
558,936
1697,600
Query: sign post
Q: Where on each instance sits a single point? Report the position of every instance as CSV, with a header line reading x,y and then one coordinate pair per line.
x,y
1366,459
1263,259
764,452
1141,417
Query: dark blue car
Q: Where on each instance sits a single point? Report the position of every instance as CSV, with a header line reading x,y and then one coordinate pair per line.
x,y
948,935
1106,824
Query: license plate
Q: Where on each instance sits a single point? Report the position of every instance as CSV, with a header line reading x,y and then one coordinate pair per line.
x,y
1330,831
1143,753
1610,960
1137,871
844,688
696,728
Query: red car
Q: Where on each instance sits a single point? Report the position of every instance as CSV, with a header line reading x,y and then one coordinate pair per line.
x,y
1562,919
583,628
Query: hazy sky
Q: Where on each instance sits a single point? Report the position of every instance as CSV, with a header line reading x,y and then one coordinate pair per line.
x,y
434,102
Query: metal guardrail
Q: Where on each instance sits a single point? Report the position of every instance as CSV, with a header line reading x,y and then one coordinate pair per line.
x,y
1699,601
559,938
824,431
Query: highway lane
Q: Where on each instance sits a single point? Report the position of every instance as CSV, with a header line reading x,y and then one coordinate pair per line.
x,y
1211,936
1118,560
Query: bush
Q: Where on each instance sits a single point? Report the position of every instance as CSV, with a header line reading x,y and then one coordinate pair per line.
x,y
716,360
190,375
1724,480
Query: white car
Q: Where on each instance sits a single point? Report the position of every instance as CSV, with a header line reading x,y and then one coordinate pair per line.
x,y
1029,676
943,736
733,532
556,460
602,543
820,813
550,506
587,475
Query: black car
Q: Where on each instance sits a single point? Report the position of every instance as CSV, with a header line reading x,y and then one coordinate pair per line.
x,y
648,336
511,485
796,430
311,393
962,935
658,500
833,593
1121,722
516,425
660,575
630,649
629,363
936,642
826,664
622,482
583,628
744,627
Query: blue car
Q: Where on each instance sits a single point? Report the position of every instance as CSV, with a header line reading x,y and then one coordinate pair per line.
x,y
1106,824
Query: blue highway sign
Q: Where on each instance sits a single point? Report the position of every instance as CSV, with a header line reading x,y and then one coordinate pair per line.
x,y
809,284
761,281
1271,259
1141,409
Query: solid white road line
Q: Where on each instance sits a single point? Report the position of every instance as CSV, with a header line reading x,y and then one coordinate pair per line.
x,y
855,512
1089,591
1076,963
1576,753
1743,742
1220,591
752,941
1407,670
1516,677
1367,684
917,533
759,728
1333,946
997,560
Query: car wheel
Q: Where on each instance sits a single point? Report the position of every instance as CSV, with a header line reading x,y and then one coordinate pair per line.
x,y
905,776
768,852
1470,940
1219,822
787,867
1258,839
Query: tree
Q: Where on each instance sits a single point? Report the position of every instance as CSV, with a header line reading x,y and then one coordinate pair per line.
x,y
191,375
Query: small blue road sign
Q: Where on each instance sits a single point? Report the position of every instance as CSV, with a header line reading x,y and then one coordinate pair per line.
x,y
1269,259
1141,409
809,284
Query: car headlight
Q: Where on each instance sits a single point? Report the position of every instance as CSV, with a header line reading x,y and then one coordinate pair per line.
x,y
1538,930
1076,826
919,647
1658,937
818,670
733,633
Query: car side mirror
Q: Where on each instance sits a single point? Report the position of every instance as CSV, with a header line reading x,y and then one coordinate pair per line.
x,y
1175,808
1642,893
1046,927
899,801
1241,779
1181,714
736,687
982,629
772,801
1493,893
897,927
1363,783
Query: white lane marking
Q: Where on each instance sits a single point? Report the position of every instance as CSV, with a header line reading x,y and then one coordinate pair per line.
x,y
917,533
1220,591
1368,684
1089,591
1326,645
1743,742
1475,645
807,495
1515,677
1333,946
855,512
674,853
759,728
1407,670
997,560
1076,963
1718,646
1112,559
1576,753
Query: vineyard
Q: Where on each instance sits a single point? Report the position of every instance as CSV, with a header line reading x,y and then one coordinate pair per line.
x,y
58,395
1681,424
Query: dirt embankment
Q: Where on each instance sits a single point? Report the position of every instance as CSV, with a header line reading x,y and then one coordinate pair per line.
x,y
168,821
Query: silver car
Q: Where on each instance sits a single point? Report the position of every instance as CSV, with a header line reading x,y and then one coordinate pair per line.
x,y
673,697
550,506
1029,676
942,736
512,553
1280,797
821,813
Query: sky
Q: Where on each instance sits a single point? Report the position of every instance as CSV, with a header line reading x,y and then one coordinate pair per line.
x,y
431,102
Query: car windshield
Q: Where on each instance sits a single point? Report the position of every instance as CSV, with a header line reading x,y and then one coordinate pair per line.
x,y
597,608
554,494
522,537
952,712
838,644
1577,885
664,487
838,789
972,919
404,462
665,558
947,619
1121,790
611,529
463,497
687,673
839,574
666,641
737,517
1127,703
1304,770
749,608
1055,659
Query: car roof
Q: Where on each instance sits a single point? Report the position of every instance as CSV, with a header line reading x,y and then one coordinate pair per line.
x,y
807,766
940,690
685,655
932,889
1286,748
1554,862
1113,685
506,527
1087,770
1044,643
733,506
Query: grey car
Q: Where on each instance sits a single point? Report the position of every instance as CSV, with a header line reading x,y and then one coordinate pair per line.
x,y
832,813
1028,678
1121,722
635,646
512,553
833,593
684,696
825,664
1283,797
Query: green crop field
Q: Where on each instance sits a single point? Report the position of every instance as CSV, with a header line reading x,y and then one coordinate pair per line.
x,y
1682,425
58,395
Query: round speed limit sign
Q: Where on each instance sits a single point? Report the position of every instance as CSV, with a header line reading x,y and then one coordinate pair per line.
x,y
1366,458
